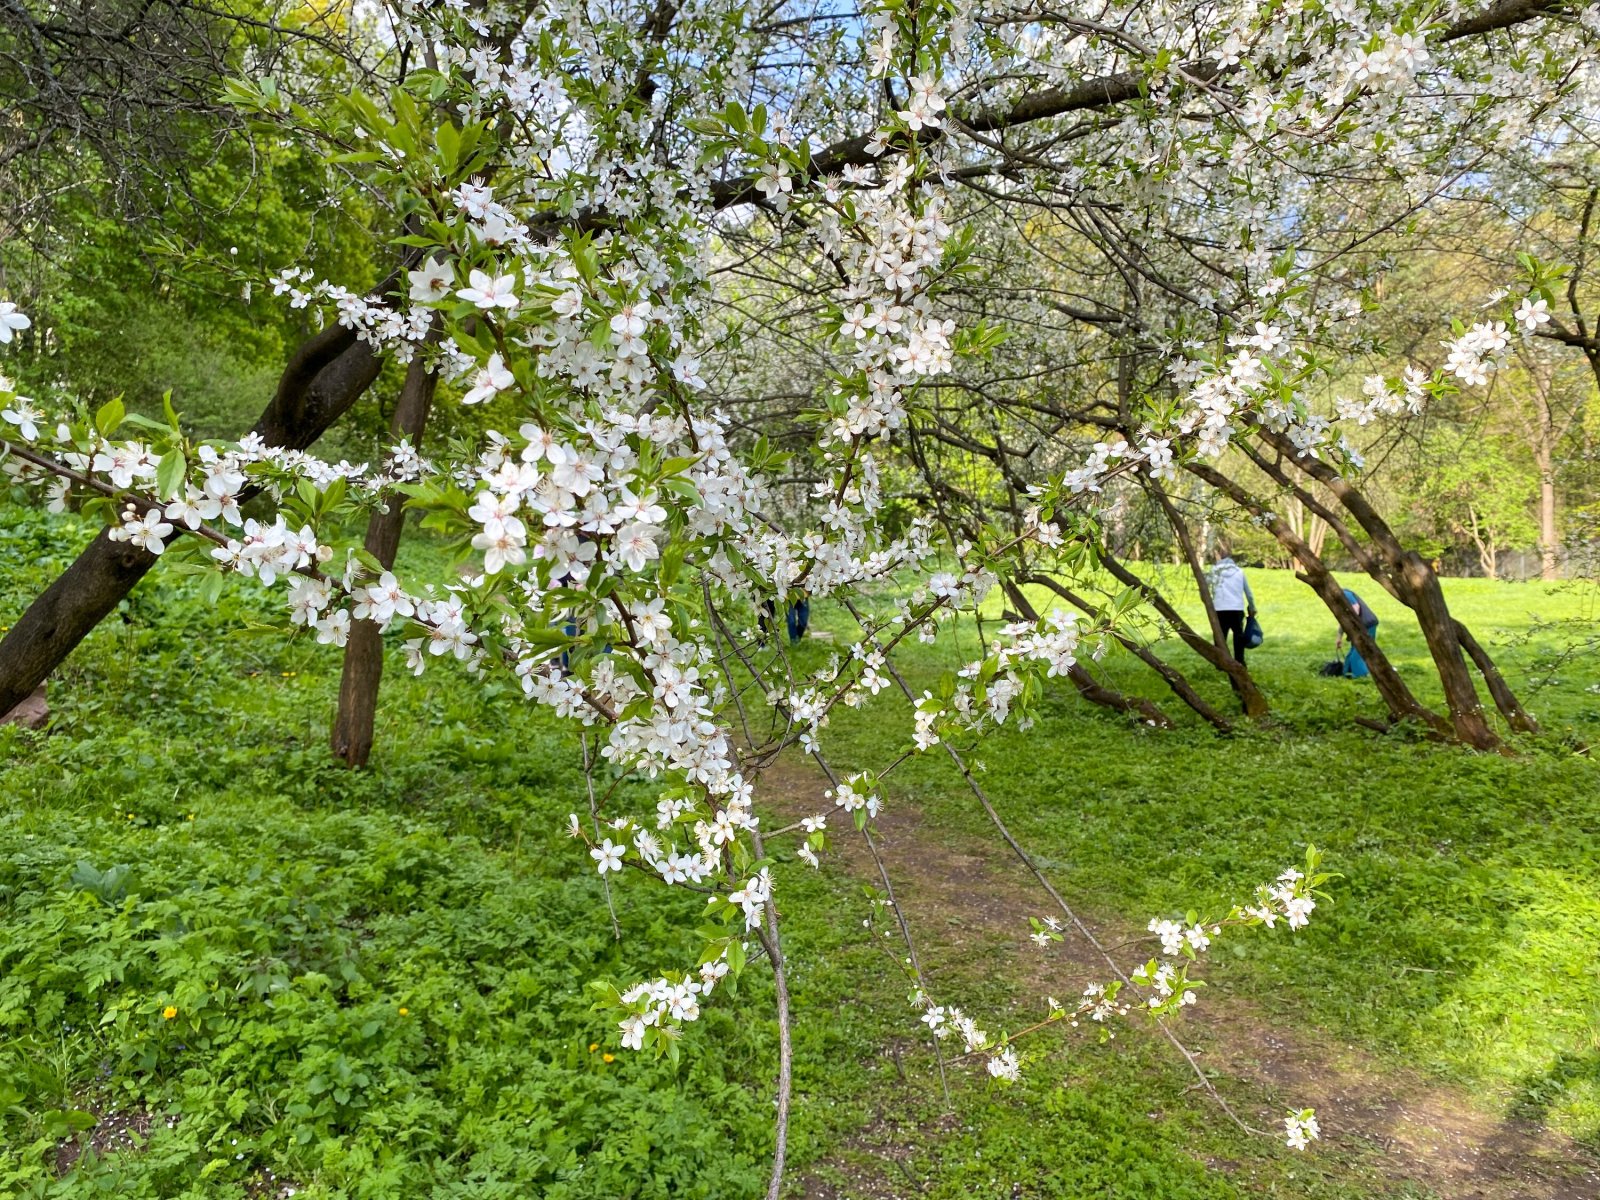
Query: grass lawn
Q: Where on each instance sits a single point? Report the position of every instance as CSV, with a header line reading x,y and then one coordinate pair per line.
x,y
1464,935
375,979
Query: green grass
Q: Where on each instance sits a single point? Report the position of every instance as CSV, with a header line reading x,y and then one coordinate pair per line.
x,y
1463,936
288,910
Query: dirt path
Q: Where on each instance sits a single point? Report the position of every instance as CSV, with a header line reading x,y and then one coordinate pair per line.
x,y
958,894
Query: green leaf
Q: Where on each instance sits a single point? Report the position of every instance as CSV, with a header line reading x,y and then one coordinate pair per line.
x,y
553,635
61,1122
140,421
211,589
671,563
448,138
331,496
584,258
171,472
109,416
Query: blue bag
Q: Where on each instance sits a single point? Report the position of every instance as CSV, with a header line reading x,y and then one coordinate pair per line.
x,y
1252,634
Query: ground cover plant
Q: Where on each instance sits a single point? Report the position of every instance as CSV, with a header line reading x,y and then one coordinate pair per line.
x,y
1480,870
375,979
652,325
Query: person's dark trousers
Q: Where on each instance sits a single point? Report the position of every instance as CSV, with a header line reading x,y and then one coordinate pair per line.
x,y
1232,620
797,618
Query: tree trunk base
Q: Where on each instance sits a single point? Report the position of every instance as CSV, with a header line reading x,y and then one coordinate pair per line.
x,y
32,713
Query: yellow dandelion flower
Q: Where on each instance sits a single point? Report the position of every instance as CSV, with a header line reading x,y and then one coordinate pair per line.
x,y
608,1057
168,1013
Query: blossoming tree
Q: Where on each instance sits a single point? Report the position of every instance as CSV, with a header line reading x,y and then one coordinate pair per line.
x,y
573,190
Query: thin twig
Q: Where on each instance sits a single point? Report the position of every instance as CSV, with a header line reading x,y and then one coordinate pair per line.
x,y
773,945
594,818
900,918
1077,922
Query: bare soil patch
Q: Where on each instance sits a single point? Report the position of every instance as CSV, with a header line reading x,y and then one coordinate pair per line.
x,y
115,1131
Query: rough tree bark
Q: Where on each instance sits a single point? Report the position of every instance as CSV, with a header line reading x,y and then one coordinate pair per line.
x,y
324,377
1504,698
1417,587
363,655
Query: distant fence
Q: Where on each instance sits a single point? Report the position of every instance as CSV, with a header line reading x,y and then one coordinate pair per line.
x,y
1519,565
1581,562
1571,563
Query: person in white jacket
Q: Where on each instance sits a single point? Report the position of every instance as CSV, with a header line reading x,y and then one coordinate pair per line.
x,y
1231,597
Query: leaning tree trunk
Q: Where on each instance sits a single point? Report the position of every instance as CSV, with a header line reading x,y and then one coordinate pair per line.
x,y
325,376
363,656
1504,698
1416,586
1092,690
1397,697
1175,679
1214,652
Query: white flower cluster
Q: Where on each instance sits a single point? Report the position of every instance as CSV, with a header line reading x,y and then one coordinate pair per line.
x,y
1289,898
1532,313
1385,398
400,331
1174,937
272,549
147,531
1301,1129
1476,352
1164,982
944,1020
667,1004
848,798
987,688
21,413
214,484
1386,60
1099,1004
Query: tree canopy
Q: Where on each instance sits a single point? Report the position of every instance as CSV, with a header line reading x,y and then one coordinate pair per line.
x,y
736,306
